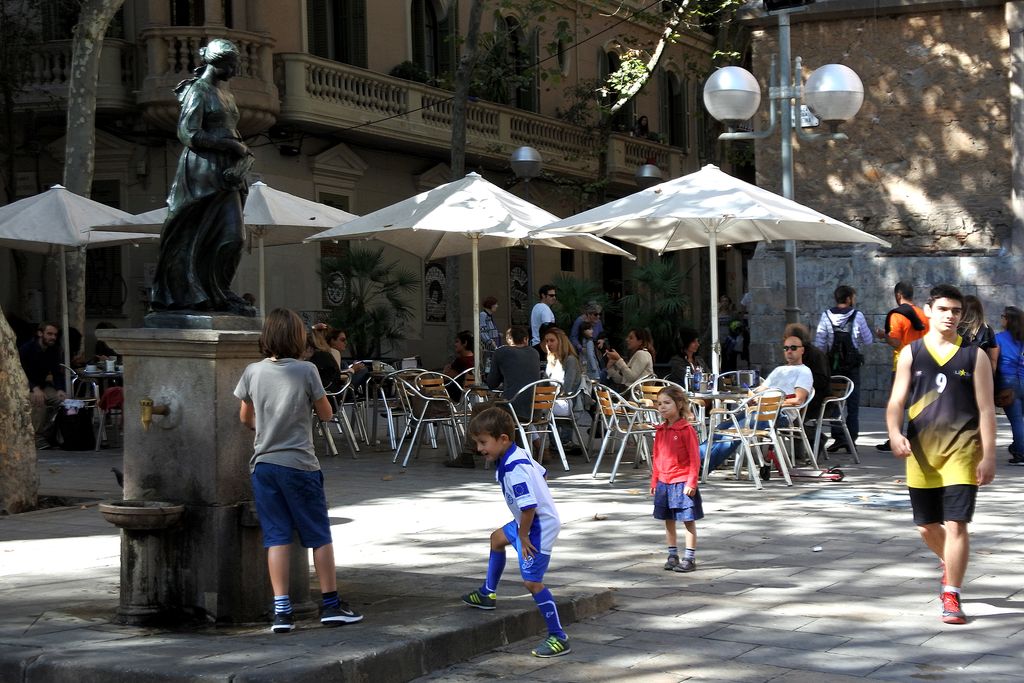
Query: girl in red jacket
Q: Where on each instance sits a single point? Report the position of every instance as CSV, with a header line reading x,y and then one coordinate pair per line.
x,y
675,468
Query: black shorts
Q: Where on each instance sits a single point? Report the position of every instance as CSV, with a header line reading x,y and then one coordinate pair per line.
x,y
944,504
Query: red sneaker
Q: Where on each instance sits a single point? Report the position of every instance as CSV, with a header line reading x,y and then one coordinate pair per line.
x,y
951,612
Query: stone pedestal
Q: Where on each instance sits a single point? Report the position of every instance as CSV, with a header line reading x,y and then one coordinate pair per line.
x,y
212,565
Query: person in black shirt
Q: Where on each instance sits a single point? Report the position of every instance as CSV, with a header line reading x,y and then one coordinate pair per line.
x,y
41,361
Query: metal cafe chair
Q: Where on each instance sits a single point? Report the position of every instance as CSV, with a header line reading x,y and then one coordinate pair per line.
x,y
573,398
341,398
753,424
621,420
427,403
540,420
795,417
833,412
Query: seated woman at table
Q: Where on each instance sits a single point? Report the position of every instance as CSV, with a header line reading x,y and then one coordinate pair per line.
x,y
641,358
330,375
462,361
337,341
563,365
687,345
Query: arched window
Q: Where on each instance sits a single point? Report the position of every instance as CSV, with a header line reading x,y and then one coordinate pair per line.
x,y
623,119
522,57
433,39
336,29
58,19
193,12
675,109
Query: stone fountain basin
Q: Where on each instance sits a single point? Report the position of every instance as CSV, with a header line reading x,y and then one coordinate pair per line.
x,y
141,515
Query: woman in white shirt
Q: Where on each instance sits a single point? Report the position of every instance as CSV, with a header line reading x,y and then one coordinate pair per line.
x,y
563,365
641,358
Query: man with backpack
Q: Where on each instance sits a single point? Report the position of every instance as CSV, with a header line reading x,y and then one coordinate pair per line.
x,y
842,333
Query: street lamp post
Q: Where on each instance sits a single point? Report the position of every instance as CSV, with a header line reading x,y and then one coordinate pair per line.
x,y
526,163
833,92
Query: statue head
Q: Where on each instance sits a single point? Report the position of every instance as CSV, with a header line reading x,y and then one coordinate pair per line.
x,y
218,51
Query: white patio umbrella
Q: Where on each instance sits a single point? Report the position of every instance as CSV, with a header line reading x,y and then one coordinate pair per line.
x,y
702,208
467,215
58,220
273,217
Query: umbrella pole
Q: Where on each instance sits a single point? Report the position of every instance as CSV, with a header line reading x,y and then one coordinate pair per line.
x,y
64,321
263,279
716,346
476,308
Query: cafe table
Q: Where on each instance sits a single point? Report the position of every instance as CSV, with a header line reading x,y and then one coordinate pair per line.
x,y
100,379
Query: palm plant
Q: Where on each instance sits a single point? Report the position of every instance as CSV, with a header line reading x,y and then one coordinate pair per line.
x,y
658,303
573,295
374,307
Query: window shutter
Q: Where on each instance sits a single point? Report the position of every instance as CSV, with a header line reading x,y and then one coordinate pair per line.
x,y
357,33
685,87
417,25
316,27
665,104
448,56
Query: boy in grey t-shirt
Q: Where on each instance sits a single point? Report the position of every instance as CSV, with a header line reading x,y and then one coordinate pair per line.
x,y
278,396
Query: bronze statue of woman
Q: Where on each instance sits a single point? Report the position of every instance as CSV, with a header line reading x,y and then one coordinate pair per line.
x,y
202,238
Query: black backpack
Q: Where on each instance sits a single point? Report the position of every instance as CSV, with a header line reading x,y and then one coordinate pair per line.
x,y
843,356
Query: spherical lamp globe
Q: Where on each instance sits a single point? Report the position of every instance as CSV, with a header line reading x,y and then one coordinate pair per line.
x,y
732,94
834,93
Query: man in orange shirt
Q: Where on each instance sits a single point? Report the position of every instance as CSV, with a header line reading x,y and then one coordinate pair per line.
x,y
904,324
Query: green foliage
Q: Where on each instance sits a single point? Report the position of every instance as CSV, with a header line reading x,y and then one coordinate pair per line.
x,y
573,295
410,71
658,303
374,309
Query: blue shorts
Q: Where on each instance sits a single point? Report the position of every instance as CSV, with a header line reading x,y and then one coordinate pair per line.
x,y
290,500
530,568
671,503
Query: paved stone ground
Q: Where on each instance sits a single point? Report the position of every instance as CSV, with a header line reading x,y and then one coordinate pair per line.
x,y
763,604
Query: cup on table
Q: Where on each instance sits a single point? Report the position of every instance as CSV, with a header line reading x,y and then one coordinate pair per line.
x,y
90,368
111,365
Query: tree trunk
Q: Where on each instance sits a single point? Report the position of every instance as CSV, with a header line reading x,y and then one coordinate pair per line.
x,y
19,483
460,101
80,141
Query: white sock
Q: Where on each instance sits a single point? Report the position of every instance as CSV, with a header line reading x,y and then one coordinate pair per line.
x,y
951,589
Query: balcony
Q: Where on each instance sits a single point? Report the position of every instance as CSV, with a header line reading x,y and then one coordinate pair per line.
x,y
329,96
47,69
172,55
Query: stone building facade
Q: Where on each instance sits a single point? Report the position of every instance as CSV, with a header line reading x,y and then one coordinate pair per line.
x,y
931,165
346,102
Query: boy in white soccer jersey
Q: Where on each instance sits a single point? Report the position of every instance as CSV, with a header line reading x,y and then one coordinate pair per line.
x,y
533,531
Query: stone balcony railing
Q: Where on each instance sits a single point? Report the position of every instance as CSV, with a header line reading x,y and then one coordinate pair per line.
x,y
47,70
172,55
328,95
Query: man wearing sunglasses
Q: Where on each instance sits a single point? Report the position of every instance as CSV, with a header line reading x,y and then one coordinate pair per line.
x,y
794,378
542,312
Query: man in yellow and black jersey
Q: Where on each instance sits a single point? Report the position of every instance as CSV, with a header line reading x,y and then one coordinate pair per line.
x,y
950,441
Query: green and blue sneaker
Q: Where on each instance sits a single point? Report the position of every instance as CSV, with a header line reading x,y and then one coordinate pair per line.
x,y
480,600
553,646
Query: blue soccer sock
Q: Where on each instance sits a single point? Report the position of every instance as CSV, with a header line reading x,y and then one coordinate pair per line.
x,y
282,604
690,554
549,610
673,551
330,599
495,566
